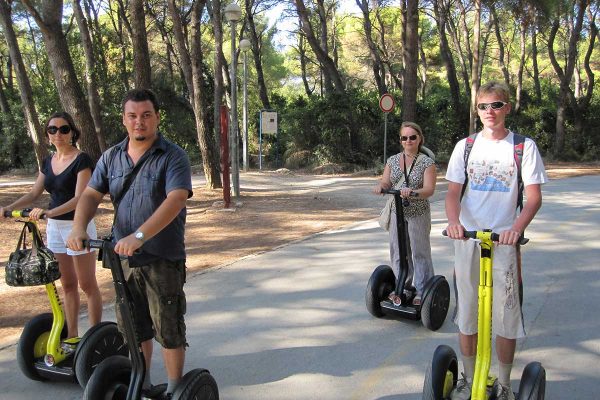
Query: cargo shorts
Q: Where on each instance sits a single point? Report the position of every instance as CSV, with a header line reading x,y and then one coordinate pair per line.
x,y
158,302
507,315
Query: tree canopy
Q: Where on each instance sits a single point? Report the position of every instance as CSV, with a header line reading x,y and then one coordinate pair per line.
x,y
324,79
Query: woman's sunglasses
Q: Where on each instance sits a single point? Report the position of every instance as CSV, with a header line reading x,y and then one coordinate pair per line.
x,y
496,105
65,129
411,137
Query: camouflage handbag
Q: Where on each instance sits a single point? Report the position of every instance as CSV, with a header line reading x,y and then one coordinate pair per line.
x,y
33,266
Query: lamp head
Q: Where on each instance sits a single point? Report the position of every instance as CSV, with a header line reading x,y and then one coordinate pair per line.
x,y
245,44
233,12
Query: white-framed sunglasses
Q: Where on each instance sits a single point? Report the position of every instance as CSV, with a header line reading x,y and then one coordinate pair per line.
x,y
496,105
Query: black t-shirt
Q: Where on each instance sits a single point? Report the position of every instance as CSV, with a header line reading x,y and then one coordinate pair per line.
x,y
62,186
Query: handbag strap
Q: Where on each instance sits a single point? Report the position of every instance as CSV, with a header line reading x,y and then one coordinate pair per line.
x,y
36,241
126,185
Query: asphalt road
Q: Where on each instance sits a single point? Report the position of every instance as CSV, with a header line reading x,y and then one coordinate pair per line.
x,y
292,323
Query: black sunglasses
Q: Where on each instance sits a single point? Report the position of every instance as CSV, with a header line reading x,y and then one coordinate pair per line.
x,y
65,129
496,105
411,137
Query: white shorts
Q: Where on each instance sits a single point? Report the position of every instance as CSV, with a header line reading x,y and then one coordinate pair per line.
x,y
507,320
57,231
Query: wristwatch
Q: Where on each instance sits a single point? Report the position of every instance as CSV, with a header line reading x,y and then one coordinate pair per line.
x,y
139,235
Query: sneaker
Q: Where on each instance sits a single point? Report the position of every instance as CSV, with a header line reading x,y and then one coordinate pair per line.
x,y
504,392
155,392
69,345
462,391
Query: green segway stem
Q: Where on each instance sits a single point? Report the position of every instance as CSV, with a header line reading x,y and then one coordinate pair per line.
x,y
53,348
483,359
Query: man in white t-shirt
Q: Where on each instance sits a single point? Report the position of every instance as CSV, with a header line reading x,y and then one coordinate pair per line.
x,y
490,202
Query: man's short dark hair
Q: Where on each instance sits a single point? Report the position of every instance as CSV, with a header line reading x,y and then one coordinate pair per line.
x,y
139,95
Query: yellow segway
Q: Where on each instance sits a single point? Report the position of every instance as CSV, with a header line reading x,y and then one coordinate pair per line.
x,y
442,373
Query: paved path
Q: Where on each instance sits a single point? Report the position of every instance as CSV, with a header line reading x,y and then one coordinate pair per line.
x,y
292,324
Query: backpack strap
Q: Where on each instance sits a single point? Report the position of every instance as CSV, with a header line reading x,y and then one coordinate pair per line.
x,y
519,143
468,147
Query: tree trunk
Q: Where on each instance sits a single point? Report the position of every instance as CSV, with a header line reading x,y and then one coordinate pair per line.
x,y
31,117
475,67
303,65
329,66
501,45
411,57
65,78
377,65
184,55
192,65
461,54
519,92
257,55
324,44
565,76
423,68
440,12
91,76
139,42
534,60
215,11
387,60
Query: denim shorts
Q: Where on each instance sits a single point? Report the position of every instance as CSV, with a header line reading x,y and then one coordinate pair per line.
x,y
158,302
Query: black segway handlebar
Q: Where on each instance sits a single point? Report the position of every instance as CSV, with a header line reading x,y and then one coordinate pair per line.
x,y
20,214
93,244
494,236
396,191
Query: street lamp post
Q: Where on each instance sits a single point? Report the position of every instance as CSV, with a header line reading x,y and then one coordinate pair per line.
x,y
233,13
244,46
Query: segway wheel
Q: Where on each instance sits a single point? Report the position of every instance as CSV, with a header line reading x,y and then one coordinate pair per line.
x,y
32,344
435,304
442,374
533,382
99,342
381,284
110,380
198,384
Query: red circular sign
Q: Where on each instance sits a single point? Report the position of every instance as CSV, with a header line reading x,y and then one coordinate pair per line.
x,y
386,103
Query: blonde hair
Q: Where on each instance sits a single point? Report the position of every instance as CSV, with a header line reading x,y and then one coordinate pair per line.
x,y
495,87
417,128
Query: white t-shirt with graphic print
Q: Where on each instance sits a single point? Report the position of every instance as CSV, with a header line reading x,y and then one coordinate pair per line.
x,y
490,200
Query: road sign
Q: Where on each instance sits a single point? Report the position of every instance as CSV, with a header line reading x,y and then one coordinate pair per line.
x,y
269,121
386,103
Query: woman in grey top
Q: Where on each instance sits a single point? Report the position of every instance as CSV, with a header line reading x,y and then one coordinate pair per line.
x,y
411,171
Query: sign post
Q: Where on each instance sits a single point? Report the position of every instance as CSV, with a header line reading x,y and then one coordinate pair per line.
x,y
268,124
386,103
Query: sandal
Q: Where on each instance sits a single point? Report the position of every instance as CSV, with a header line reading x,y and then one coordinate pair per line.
x,y
395,299
417,300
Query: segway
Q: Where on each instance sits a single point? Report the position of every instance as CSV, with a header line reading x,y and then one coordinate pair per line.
x,y
121,378
435,299
442,374
40,352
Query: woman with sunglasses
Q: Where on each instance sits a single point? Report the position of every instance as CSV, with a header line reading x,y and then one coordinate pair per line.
x,y
414,173
65,175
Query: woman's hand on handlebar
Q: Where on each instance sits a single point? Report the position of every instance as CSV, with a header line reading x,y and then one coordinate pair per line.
x,y
406,193
38,213
455,231
381,186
